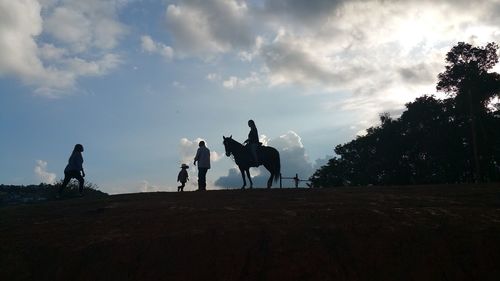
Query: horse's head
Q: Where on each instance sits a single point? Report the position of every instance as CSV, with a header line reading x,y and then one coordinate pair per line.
x,y
226,143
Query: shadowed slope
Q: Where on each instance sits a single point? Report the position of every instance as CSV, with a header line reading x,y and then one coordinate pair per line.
x,y
397,233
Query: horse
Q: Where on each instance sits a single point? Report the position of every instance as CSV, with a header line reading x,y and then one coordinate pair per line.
x,y
268,156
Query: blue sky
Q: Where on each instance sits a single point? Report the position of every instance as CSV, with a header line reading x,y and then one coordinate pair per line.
x,y
139,83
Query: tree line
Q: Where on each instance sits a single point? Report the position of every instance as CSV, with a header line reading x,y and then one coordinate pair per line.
x,y
452,140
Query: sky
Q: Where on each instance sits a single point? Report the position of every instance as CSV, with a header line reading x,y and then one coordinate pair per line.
x,y
140,82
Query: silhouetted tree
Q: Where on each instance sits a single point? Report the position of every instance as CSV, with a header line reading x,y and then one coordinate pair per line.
x,y
467,79
434,141
424,145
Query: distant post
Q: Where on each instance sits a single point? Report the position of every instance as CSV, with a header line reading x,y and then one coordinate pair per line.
x,y
281,184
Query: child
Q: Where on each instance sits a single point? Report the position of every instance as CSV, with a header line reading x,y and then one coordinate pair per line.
x,y
182,177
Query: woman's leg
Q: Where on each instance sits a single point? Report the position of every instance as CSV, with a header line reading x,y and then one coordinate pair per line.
x,y
81,181
67,178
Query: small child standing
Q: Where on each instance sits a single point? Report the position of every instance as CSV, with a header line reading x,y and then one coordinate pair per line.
x,y
182,177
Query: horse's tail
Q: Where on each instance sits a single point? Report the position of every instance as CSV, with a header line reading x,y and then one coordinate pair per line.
x,y
277,167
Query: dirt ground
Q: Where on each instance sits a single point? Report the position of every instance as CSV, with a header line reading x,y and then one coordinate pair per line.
x,y
447,232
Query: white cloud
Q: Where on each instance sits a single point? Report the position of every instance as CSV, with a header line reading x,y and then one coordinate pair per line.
x,y
20,23
289,141
204,28
150,46
78,28
108,33
117,186
213,77
146,186
250,54
235,82
91,68
234,180
386,51
231,82
85,24
147,44
188,148
294,159
298,11
42,174
178,85
383,54
71,27
51,52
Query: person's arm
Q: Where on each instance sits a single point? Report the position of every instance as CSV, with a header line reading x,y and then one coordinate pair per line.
x,y
197,156
81,165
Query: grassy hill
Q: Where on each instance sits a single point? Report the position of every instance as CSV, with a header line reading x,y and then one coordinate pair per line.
x,y
449,232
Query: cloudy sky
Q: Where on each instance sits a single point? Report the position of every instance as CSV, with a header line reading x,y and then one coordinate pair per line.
x,y
140,82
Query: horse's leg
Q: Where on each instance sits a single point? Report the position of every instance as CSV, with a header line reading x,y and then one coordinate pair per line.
x,y
270,180
249,177
243,177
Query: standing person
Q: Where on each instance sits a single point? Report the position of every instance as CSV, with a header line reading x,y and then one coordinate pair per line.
x,y
182,177
253,140
203,159
296,180
73,169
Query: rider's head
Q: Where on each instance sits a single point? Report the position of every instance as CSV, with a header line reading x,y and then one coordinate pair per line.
x,y
251,123
201,143
78,147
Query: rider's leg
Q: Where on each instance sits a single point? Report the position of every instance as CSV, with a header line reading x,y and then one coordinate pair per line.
x,y
254,152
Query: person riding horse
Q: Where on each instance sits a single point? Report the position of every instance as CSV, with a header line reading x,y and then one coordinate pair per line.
x,y
253,141
246,156
269,158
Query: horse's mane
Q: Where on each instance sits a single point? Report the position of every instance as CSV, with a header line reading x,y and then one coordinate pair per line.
x,y
237,147
235,142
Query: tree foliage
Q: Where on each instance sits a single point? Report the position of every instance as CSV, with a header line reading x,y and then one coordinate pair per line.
x,y
473,87
467,78
434,140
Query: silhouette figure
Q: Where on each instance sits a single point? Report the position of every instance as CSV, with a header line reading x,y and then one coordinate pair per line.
x,y
182,177
253,141
269,157
296,180
72,170
203,159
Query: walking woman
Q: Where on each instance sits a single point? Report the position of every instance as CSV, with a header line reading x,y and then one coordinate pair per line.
x,y
72,170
